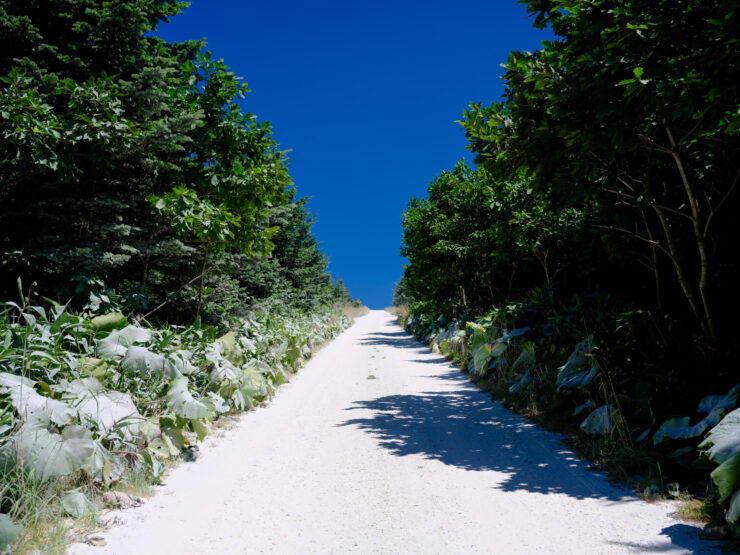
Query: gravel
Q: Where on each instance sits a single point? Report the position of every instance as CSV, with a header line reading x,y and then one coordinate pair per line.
x,y
380,446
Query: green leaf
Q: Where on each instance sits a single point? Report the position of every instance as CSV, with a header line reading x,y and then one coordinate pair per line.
x,y
727,476
252,383
714,402
109,410
155,465
724,438
580,368
598,422
47,454
108,322
76,503
9,532
158,448
638,71
679,428
140,360
182,402
482,356
526,359
200,428
583,407
118,342
733,512
31,405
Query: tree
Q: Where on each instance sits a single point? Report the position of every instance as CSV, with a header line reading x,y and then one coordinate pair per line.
x,y
636,104
480,239
123,156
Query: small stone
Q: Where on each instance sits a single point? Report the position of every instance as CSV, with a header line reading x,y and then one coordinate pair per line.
x,y
121,500
97,541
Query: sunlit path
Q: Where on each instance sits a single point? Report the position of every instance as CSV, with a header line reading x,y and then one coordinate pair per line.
x,y
379,445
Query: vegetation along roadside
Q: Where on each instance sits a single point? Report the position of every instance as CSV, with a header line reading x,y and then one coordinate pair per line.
x,y
586,267
171,274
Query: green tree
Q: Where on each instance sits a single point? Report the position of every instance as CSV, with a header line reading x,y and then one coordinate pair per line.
x,y
635,103
126,157
477,240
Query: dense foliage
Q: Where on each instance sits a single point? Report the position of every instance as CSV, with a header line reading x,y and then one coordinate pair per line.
x,y
85,400
129,160
588,265
171,272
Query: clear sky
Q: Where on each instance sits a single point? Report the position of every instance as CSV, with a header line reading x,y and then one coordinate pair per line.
x,y
365,95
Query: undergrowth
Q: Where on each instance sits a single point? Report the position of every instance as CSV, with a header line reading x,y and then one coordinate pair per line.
x,y
91,403
577,370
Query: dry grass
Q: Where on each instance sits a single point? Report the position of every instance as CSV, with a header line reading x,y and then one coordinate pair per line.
x,y
353,310
400,312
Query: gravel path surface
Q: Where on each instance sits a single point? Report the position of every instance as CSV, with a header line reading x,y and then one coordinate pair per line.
x,y
380,446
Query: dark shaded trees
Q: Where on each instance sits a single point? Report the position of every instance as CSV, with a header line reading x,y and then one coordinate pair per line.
x,y
478,241
635,104
125,157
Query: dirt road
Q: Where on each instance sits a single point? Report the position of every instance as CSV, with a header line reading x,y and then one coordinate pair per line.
x,y
380,446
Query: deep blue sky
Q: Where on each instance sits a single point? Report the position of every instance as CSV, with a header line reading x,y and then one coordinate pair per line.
x,y
365,95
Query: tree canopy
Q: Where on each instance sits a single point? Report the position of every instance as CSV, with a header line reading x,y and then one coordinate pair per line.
x,y
129,159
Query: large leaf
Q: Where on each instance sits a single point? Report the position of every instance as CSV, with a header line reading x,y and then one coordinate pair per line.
x,y
216,403
599,421
733,513
679,428
140,360
224,370
107,409
727,476
526,359
252,383
181,361
47,454
118,342
182,402
76,503
482,355
102,466
713,402
580,368
95,367
520,386
231,349
724,438
9,532
108,321
31,405
250,386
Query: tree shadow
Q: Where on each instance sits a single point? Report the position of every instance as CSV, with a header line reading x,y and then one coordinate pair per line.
x,y
400,340
465,429
680,536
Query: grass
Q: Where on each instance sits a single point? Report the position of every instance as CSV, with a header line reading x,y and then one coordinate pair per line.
x,y
136,482
354,310
400,312
704,510
35,505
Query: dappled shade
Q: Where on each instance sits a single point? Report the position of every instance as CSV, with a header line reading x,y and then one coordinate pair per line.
x,y
467,430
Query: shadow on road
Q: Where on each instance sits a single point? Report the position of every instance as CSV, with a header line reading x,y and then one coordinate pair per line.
x,y
680,535
462,427
399,339
465,429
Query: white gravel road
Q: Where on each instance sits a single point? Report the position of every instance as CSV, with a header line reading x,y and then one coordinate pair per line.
x,y
380,446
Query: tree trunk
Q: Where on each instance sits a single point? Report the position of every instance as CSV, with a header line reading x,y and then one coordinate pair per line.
x,y
202,280
707,319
